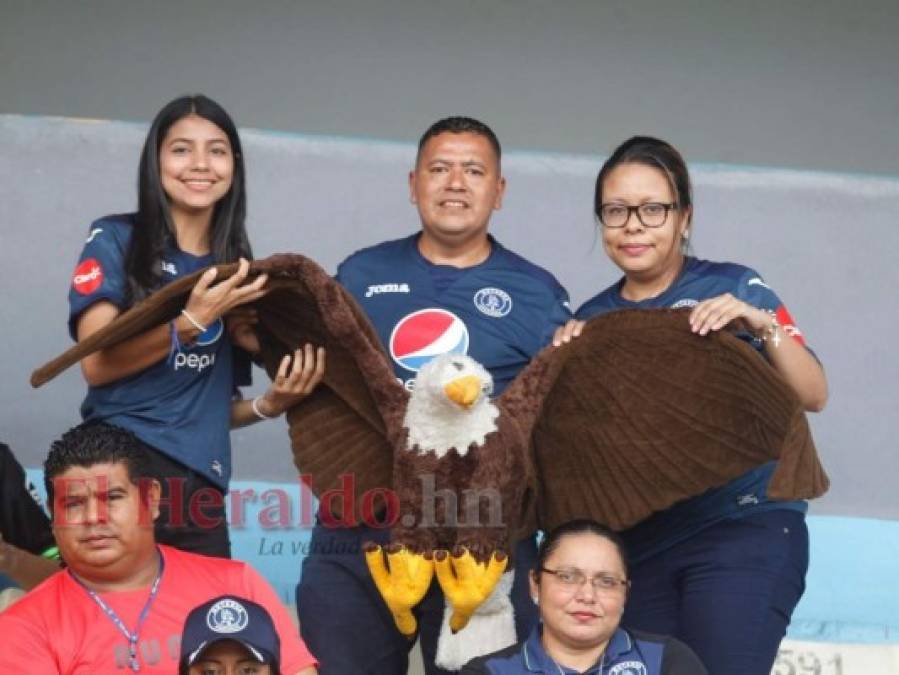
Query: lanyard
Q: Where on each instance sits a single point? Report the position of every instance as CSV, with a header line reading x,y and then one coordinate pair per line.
x,y
132,637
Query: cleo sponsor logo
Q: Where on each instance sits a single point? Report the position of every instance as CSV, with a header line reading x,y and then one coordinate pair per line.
x,y
88,276
788,324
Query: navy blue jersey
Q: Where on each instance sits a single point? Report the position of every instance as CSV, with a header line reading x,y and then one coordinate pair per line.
x,y
500,312
180,405
628,653
700,280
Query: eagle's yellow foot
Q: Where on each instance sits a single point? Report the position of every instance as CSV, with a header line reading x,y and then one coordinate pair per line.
x,y
402,580
467,583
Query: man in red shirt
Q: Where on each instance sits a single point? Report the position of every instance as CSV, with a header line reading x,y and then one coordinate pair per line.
x,y
121,603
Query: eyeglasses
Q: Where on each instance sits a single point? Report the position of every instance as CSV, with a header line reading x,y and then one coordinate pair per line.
x,y
604,584
650,214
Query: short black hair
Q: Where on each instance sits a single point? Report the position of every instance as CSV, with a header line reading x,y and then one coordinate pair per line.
x,y
459,124
573,527
96,443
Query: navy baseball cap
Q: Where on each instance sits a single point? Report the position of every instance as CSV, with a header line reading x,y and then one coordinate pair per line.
x,y
229,617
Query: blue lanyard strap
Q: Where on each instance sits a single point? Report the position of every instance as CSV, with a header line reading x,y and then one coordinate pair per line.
x,y
132,637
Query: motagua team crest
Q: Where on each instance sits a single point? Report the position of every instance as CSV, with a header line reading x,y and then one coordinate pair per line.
x,y
227,616
423,335
493,302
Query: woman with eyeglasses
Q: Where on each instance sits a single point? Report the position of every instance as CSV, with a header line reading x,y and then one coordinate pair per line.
x,y
722,571
580,584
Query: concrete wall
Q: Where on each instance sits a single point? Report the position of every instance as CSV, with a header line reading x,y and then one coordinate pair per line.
x,y
805,83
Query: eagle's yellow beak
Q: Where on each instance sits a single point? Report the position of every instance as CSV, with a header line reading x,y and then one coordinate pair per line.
x,y
464,391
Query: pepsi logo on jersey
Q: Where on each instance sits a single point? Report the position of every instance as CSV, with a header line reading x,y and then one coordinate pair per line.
x,y
423,335
212,333
189,359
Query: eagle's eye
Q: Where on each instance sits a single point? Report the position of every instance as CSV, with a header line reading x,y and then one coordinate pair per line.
x,y
457,365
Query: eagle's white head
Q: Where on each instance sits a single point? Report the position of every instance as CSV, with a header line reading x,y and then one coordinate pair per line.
x,y
450,406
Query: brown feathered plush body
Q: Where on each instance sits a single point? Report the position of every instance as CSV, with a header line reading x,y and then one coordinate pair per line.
x,y
636,414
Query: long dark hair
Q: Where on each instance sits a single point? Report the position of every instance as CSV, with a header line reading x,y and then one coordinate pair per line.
x,y
154,230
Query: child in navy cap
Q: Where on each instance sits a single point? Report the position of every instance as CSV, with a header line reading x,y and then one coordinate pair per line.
x,y
229,635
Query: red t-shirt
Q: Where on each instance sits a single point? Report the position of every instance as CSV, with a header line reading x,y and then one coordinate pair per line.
x,y
58,628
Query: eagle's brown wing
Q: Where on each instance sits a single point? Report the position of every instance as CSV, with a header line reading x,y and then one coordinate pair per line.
x,y
639,413
342,428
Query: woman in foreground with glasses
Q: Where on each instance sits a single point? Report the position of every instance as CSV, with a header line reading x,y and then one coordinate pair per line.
x,y
580,584
722,571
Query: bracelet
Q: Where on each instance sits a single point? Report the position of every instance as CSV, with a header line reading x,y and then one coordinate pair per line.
x,y
261,415
200,327
770,333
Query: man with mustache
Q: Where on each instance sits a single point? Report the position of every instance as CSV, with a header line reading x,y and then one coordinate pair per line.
x,y
122,600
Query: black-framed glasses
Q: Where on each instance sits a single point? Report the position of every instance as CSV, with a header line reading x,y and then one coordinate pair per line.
x,y
603,583
650,214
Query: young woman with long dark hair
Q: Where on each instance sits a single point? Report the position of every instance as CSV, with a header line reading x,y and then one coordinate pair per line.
x,y
175,386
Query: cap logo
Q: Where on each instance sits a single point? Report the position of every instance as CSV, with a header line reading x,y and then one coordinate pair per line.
x,y
227,616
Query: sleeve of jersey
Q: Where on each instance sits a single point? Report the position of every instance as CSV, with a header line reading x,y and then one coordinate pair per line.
x,y
26,647
99,274
559,314
753,289
344,272
294,654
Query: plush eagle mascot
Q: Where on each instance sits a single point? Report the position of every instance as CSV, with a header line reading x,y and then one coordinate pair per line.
x,y
636,414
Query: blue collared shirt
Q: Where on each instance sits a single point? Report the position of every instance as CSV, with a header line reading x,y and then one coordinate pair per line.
x,y
628,653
